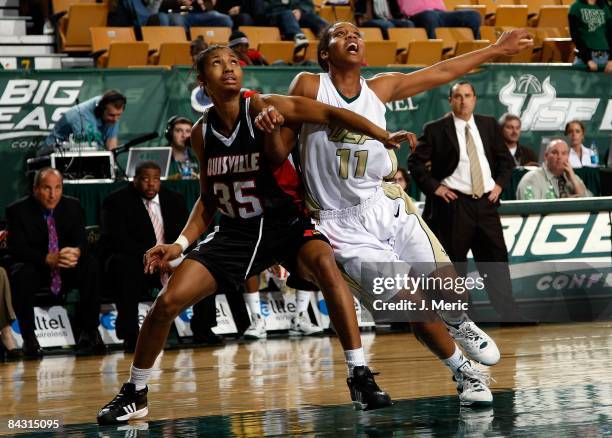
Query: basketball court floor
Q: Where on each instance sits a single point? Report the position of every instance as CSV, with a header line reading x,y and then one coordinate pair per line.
x,y
553,381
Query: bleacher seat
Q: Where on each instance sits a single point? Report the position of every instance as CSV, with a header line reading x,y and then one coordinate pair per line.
x,y
334,14
403,36
258,34
481,9
102,37
380,53
157,35
450,36
174,53
558,50
310,35
127,54
212,35
74,27
275,51
511,15
424,52
553,16
371,33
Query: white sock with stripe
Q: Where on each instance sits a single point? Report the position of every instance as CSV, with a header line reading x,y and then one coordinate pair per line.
x,y
252,301
354,358
456,360
139,377
302,298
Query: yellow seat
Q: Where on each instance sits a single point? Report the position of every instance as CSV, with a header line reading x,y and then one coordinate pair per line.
x,y
371,33
507,15
127,54
403,36
275,51
567,2
258,34
464,47
492,33
558,50
334,14
424,52
59,6
74,30
174,53
533,8
452,4
156,35
450,36
102,37
380,53
525,56
553,16
212,35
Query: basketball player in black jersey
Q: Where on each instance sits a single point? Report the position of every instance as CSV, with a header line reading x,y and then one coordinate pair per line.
x,y
261,225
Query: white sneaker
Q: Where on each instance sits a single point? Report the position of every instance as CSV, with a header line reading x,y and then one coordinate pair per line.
x,y
475,342
473,386
48,28
301,325
301,41
257,329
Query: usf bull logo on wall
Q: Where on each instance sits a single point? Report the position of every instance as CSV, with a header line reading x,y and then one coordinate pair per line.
x,y
539,107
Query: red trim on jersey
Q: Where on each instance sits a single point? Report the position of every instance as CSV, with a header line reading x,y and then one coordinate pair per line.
x,y
289,181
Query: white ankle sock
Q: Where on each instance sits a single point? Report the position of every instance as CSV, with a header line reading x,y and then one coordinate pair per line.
x,y
252,301
354,358
456,360
302,298
139,377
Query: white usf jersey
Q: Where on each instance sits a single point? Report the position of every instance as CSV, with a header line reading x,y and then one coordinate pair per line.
x,y
341,168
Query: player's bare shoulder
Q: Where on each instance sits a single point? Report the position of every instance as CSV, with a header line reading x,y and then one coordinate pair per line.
x,y
305,84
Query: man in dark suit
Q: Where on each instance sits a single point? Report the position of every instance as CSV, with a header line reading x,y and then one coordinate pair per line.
x,y
46,240
511,131
134,219
470,165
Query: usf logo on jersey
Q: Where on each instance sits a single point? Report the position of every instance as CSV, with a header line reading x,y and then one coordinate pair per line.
x,y
345,136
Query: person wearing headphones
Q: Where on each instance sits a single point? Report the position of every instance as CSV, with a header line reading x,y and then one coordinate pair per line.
x,y
94,121
184,164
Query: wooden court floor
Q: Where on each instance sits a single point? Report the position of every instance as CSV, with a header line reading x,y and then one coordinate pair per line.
x,y
553,380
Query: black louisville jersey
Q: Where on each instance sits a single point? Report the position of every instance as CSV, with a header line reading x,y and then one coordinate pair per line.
x,y
237,172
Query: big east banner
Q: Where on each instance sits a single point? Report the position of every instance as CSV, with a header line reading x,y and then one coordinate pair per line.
x,y
31,103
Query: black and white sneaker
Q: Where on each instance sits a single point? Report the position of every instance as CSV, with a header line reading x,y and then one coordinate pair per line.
x,y
126,405
365,393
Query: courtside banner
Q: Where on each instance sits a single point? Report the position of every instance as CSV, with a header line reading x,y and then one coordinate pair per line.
x,y
31,102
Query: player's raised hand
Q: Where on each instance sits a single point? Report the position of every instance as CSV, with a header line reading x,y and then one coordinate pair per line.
x,y
269,119
396,138
157,258
513,41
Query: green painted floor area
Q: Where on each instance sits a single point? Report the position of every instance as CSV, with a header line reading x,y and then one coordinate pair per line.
x,y
581,411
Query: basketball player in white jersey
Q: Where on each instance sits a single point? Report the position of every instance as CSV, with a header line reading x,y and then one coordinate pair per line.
x,y
365,219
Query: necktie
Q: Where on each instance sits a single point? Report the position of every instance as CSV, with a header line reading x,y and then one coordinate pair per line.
x,y
157,225
56,279
475,169
562,187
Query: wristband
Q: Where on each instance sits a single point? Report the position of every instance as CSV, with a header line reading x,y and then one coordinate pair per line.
x,y
182,242
175,262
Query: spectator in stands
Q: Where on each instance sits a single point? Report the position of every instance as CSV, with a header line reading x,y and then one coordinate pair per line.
x,y
402,177
134,219
432,13
8,349
511,131
555,179
383,14
579,154
289,15
94,121
239,43
590,23
242,12
184,163
203,13
47,243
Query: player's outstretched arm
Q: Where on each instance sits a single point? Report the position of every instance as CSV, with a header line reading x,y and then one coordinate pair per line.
x,y
396,86
296,109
